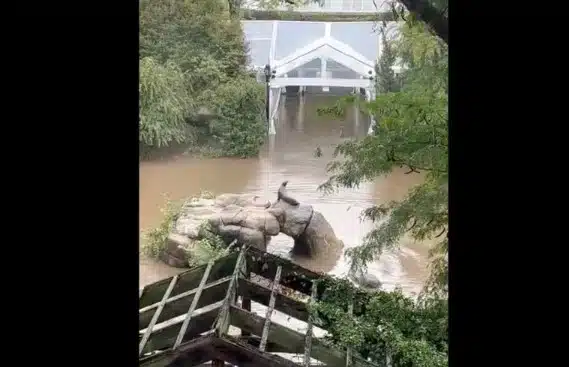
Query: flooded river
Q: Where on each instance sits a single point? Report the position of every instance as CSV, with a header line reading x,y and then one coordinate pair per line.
x,y
289,155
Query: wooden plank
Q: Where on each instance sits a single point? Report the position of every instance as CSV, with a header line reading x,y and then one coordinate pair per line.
x,y
178,305
245,301
269,313
193,305
288,338
262,294
292,341
223,321
187,280
293,276
165,338
349,350
243,355
156,314
193,353
308,338
255,341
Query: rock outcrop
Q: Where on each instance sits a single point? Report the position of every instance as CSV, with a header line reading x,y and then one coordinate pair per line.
x,y
366,280
249,219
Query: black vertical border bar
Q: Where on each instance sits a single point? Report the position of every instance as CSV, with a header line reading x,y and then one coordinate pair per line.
x,y
71,89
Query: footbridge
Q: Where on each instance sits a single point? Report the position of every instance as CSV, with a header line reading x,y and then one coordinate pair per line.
x,y
314,54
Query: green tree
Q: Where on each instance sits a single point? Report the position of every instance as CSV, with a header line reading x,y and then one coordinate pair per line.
x,y
389,328
412,132
240,127
165,103
386,80
197,35
198,53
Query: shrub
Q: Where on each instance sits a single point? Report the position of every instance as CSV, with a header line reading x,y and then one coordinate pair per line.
x,y
240,127
194,54
165,104
197,35
154,240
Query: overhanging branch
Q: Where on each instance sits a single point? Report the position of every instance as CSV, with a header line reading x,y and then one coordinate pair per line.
x,y
426,12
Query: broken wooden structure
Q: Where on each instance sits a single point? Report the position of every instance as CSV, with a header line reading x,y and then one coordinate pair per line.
x,y
184,320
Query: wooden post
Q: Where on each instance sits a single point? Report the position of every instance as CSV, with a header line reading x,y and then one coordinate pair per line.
x,y
245,301
270,308
156,315
349,350
308,338
222,324
193,305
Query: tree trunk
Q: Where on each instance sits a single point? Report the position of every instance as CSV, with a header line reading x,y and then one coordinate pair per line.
x,y
434,18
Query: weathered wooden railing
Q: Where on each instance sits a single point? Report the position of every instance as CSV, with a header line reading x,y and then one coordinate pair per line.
x,y
172,333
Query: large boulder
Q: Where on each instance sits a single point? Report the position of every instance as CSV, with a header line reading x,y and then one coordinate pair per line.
x,y
249,219
366,280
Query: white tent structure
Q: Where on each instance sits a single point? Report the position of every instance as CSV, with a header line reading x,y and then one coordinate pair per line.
x,y
320,54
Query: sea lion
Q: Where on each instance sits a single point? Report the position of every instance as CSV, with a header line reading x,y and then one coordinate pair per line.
x,y
282,195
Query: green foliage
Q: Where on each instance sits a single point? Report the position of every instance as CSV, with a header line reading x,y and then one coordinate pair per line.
x,y
315,16
384,325
210,246
154,240
411,132
197,35
195,56
240,127
385,80
165,104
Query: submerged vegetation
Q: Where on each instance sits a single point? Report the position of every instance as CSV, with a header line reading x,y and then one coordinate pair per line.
x,y
193,59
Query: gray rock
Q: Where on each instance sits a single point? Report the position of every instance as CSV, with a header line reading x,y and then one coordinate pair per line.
x,y
367,280
235,217
317,239
174,253
278,213
249,219
253,237
296,217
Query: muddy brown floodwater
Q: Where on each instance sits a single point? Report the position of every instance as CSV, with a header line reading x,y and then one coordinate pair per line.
x,y
289,155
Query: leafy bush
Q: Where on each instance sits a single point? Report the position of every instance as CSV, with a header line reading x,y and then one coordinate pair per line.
x,y
240,128
210,246
384,325
154,240
197,35
165,104
205,46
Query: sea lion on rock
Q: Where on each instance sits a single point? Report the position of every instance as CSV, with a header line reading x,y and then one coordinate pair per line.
x,y
282,195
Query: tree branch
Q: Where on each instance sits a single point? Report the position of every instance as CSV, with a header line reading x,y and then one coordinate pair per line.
x,y
412,167
440,234
426,12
